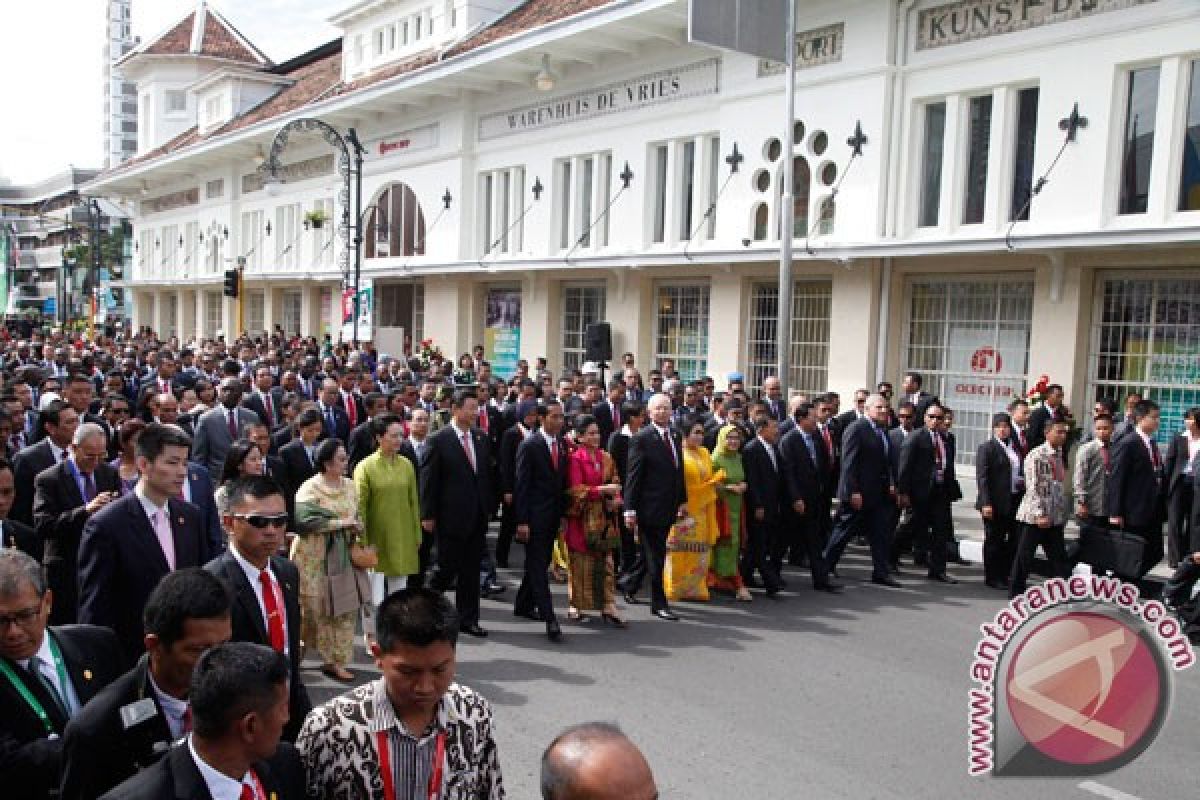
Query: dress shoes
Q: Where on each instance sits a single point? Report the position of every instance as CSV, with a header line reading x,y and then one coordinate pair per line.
x,y
887,580
553,632
532,614
473,629
828,586
942,577
663,613
632,599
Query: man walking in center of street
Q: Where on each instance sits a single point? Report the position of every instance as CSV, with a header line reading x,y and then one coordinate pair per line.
x,y
925,478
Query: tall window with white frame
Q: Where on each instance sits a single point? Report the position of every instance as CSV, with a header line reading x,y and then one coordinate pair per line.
x,y
681,328
191,248
395,224
933,139
1189,181
979,135
683,185
324,244
287,238
1026,145
658,225
251,242
501,228
1141,108
582,305
582,188
214,319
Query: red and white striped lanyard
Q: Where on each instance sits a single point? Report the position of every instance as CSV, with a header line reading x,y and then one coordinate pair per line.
x,y
383,745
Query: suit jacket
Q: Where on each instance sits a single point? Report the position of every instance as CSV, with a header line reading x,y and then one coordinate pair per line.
x,y
341,424
1091,477
30,762
21,536
618,448
917,471
361,444
176,777
866,466
458,497
1134,492
121,561
845,419
765,482
27,465
776,408
506,460
654,486
249,625
993,479
1174,464
281,437
296,470
540,492
922,403
603,411
255,403
99,752
59,516
360,413
212,440
200,485
801,473
1038,419
495,426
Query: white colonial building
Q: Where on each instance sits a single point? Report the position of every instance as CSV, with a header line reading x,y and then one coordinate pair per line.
x,y
498,206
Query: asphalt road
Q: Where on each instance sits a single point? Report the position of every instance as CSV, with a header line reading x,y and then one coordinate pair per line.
x,y
858,695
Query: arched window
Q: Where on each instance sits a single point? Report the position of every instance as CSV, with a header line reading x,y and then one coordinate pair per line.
x,y
395,225
826,218
801,188
761,217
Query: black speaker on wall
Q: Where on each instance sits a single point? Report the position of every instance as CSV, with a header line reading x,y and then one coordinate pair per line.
x,y
597,342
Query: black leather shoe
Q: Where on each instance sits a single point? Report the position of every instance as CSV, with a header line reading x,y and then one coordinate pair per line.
x,y
887,581
632,599
473,630
942,577
663,613
829,586
532,614
553,632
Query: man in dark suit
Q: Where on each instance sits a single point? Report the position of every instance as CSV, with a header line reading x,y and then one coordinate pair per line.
x,y
128,546
457,498
131,724
506,466
239,704
800,450
655,497
256,518
15,534
49,674
199,490
262,400
608,412
915,394
539,502
414,448
1179,472
924,480
362,441
1000,485
1050,410
634,415
772,395
297,456
1136,490
65,497
333,414
272,464
219,427
851,415
867,491
765,490
828,462
58,422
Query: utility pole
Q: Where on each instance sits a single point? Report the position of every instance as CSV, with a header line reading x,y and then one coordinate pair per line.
x,y
356,146
241,297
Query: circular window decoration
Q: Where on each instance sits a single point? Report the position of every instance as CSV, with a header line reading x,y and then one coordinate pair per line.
x,y
828,173
772,150
819,143
762,180
798,132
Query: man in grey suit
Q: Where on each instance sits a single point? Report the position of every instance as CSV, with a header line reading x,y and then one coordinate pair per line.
x,y
217,428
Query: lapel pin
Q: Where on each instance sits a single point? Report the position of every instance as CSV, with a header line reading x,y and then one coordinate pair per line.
x,y
87,674
180,520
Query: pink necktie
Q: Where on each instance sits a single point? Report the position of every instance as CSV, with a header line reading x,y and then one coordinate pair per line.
x,y
166,540
466,441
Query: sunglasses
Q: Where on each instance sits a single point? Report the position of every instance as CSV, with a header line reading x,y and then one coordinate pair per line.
x,y
934,416
261,521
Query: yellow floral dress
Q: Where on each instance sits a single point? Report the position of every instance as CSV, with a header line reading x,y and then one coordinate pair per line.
x,y
689,545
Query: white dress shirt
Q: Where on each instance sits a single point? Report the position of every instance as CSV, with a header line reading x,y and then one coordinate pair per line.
x,y
48,671
173,708
252,573
220,785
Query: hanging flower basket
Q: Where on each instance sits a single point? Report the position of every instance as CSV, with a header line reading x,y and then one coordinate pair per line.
x,y
316,218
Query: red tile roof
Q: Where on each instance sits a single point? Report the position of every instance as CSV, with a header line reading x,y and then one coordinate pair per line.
x,y
176,41
219,40
321,78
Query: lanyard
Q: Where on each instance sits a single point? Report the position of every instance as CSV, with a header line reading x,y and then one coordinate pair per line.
x,y
385,765
28,696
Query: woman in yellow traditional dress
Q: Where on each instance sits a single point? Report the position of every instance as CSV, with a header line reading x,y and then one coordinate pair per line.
x,y
689,545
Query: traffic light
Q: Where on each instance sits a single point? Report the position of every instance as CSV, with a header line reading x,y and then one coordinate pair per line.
x,y
231,283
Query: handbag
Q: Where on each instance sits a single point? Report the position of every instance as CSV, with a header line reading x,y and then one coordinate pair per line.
x,y
1116,551
347,586
363,556
683,538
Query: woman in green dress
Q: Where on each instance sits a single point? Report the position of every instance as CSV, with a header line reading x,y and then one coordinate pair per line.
x,y
724,573
327,523
388,506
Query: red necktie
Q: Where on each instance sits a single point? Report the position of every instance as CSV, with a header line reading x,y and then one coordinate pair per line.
x,y
274,616
1021,438
554,454
467,449
828,441
270,411
247,793
616,418
233,425
352,410
483,420
187,720
670,447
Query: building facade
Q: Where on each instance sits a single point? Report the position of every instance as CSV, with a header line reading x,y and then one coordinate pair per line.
x,y
535,167
120,95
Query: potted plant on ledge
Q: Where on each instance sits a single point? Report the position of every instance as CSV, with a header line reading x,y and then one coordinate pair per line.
x,y
316,218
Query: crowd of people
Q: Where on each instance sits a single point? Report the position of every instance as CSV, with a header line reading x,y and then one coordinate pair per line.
x,y
181,524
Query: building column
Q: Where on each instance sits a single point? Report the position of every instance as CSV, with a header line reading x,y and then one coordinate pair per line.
x,y
451,296
853,325
229,318
185,321
272,306
310,310
159,313
540,326
630,309
202,296
1060,329
726,324
141,308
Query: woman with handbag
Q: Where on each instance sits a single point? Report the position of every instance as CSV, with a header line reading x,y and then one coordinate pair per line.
x,y
689,545
328,527
389,508
723,573
592,535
